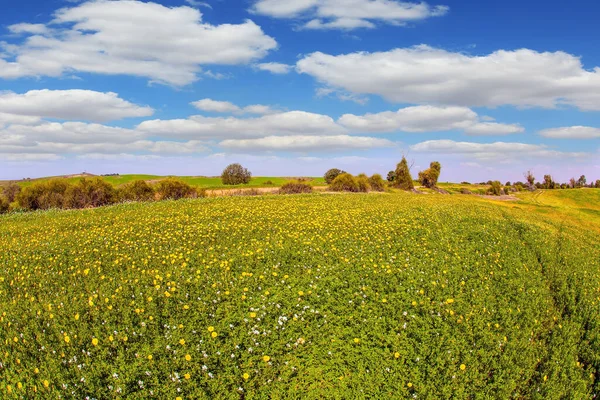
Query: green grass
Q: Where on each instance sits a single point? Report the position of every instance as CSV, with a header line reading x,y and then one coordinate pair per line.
x,y
344,296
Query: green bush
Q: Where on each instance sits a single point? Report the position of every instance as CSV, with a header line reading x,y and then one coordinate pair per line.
x,y
136,191
235,174
87,193
377,183
174,189
295,187
332,174
495,189
344,183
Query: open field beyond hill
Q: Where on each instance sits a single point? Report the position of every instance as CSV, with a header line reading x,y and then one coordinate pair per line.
x,y
316,296
200,181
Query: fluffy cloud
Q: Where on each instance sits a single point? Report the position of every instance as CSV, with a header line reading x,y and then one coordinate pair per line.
x,y
227,107
164,44
285,123
348,14
275,68
302,143
493,151
70,104
571,132
426,119
423,74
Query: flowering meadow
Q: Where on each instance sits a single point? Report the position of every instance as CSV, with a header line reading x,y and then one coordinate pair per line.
x,y
342,296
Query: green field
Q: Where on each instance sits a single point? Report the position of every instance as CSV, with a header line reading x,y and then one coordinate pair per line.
x,y
200,181
344,296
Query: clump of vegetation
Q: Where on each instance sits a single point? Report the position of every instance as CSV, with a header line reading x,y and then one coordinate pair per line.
x,y
362,181
495,189
332,174
86,193
43,195
402,178
377,183
235,174
344,183
269,182
174,189
4,205
430,176
391,176
295,187
11,191
138,190
464,191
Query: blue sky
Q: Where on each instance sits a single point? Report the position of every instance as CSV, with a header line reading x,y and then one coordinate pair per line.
x,y
290,87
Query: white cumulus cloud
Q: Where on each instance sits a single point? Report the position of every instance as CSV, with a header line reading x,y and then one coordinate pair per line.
x,y
302,143
572,132
164,44
423,74
348,14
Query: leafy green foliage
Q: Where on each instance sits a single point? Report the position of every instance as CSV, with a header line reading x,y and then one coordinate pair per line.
x,y
331,174
344,183
235,174
136,191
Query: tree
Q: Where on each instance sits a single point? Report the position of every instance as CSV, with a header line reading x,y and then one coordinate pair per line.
x,y
597,185
402,179
581,182
530,179
235,174
391,176
548,182
429,177
572,183
332,174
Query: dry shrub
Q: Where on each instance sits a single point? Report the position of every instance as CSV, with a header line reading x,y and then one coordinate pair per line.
x,y
4,205
174,189
235,174
295,187
136,191
344,183
363,183
90,193
377,183
43,195
11,191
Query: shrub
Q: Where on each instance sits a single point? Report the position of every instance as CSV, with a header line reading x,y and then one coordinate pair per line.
x,y
332,174
235,174
174,189
429,177
465,183
344,183
43,195
86,193
136,191
597,184
495,189
363,183
464,191
11,191
4,205
268,183
377,183
403,180
294,187
391,176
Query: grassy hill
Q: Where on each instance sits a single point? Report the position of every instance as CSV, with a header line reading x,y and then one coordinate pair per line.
x,y
312,296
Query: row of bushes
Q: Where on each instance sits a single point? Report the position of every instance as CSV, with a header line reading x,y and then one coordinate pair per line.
x,y
87,193
362,183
